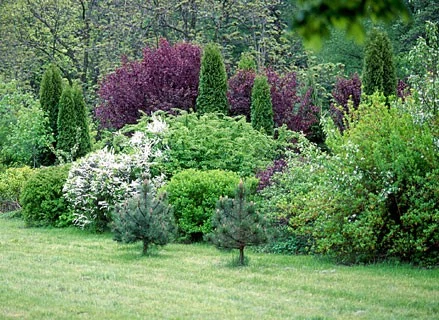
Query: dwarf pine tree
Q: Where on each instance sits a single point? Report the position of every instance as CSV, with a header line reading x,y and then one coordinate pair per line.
x,y
261,106
236,224
212,88
378,70
50,93
144,218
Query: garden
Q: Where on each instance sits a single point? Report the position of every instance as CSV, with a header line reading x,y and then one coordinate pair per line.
x,y
221,172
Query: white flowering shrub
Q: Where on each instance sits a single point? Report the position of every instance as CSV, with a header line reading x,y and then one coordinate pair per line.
x,y
103,179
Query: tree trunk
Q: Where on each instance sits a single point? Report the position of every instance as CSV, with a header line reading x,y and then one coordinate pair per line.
x,y
145,247
241,256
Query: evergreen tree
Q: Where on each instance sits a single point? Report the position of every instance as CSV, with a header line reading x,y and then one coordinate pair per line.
x,y
82,122
50,93
247,62
144,218
261,106
236,224
378,69
68,133
212,88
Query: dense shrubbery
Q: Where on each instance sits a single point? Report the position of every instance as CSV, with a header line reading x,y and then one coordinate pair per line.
x,y
194,194
166,78
366,201
42,198
216,142
11,185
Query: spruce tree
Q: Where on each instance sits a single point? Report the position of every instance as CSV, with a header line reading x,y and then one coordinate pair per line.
x,y
50,93
378,69
67,124
236,224
144,218
212,88
82,122
261,106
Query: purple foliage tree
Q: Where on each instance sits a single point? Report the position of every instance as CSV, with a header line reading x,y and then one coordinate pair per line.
x,y
345,90
240,92
402,89
290,107
166,78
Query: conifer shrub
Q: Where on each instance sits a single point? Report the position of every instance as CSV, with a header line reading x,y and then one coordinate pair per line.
x,y
50,93
145,217
42,198
166,78
193,195
247,62
261,106
236,224
378,68
68,132
82,122
212,89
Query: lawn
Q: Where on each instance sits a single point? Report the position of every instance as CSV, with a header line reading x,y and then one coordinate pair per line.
x,y
69,274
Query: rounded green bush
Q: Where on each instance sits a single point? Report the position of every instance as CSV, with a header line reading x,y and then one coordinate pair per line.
x,y
194,194
42,198
12,181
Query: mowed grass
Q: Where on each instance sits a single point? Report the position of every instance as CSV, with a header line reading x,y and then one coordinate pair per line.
x,y
70,274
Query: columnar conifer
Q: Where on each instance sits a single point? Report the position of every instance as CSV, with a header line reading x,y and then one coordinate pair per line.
x,y
82,122
50,93
261,106
212,89
378,70
67,121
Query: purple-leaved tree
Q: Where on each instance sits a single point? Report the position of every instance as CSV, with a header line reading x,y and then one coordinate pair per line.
x,y
166,78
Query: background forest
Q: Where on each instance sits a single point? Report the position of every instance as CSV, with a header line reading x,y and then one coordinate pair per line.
x,y
199,117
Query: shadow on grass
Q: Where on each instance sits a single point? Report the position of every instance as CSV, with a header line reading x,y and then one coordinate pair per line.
x,y
133,252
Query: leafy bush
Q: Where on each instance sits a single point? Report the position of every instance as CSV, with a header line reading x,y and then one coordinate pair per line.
x,y
145,218
216,142
372,197
166,78
42,198
11,185
194,194
261,106
103,179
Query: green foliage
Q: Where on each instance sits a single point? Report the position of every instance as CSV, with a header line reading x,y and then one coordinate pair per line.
x,y
236,224
50,94
378,70
193,195
145,218
247,62
212,88
261,106
11,184
216,142
372,197
82,122
42,198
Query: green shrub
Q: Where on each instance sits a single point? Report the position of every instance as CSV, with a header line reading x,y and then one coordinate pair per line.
x,y
194,194
213,142
42,198
11,184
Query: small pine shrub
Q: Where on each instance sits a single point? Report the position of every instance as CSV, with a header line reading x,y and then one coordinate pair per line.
x,y
261,106
236,224
42,198
145,218
193,194
212,89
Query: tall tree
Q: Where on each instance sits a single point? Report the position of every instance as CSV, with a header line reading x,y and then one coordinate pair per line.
x,y
261,106
212,88
50,93
378,69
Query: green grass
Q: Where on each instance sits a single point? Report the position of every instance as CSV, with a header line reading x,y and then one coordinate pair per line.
x,y
69,274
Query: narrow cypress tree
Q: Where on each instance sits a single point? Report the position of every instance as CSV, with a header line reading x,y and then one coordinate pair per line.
x,y
50,93
378,69
82,122
212,88
67,122
236,224
261,106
